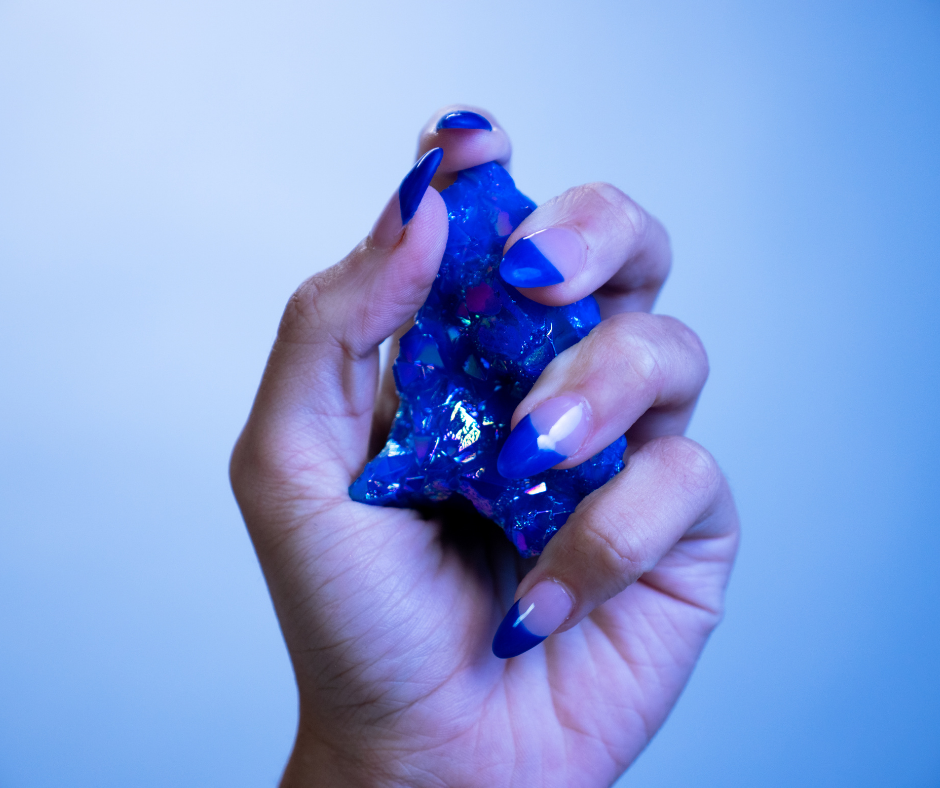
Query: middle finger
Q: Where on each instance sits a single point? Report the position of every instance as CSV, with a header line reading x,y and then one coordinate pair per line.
x,y
591,239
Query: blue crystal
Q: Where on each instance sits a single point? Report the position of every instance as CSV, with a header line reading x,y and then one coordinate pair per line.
x,y
475,350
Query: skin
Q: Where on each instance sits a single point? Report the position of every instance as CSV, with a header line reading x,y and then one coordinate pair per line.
x,y
388,614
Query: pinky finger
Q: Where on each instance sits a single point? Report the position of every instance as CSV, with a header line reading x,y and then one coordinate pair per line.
x,y
671,501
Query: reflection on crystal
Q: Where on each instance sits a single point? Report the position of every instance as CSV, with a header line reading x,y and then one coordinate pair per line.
x,y
475,350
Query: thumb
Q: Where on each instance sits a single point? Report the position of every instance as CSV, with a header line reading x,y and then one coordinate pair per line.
x,y
307,434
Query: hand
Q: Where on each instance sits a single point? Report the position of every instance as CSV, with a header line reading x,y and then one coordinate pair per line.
x,y
389,616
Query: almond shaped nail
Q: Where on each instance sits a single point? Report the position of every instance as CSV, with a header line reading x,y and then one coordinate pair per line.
x,y
532,619
550,434
464,119
416,183
547,257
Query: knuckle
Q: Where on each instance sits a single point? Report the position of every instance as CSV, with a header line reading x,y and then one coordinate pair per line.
x,y
304,309
622,208
237,465
246,466
689,347
615,551
691,465
254,457
310,314
271,468
649,348
624,342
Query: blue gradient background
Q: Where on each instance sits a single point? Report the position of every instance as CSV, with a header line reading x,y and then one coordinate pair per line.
x,y
170,171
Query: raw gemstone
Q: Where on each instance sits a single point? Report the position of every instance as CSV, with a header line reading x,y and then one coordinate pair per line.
x,y
475,350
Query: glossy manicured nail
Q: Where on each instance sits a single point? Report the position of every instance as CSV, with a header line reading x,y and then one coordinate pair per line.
x,y
415,184
547,257
532,619
464,120
548,435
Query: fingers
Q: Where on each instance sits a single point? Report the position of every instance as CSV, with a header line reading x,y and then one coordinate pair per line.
x,y
668,521
468,136
635,373
591,239
311,417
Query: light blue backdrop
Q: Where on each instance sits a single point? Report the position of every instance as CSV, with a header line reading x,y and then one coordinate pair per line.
x,y
169,171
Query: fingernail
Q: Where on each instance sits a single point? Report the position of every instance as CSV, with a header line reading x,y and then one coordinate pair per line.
x,y
415,184
464,120
549,434
547,257
532,619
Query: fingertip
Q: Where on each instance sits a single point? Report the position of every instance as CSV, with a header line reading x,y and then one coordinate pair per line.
x,y
540,612
426,232
464,119
416,182
524,266
513,638
396,274
401,209
468,135
545,264
421,244
524,453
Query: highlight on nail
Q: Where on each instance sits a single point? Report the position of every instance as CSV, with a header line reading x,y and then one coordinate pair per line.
x,y
532,619
550,434
525,266
547,257
464,119
416,183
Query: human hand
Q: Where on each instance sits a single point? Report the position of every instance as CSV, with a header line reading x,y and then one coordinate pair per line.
x,y
388,616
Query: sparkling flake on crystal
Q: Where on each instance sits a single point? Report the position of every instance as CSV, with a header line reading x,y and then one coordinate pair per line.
x,y
475,350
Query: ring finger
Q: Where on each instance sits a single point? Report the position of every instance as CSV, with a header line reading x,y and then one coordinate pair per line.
x,y
635,373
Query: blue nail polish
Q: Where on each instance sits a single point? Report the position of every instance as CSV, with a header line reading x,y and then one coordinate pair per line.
x,y
464,120
512,638
415,184
525,266
521,455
